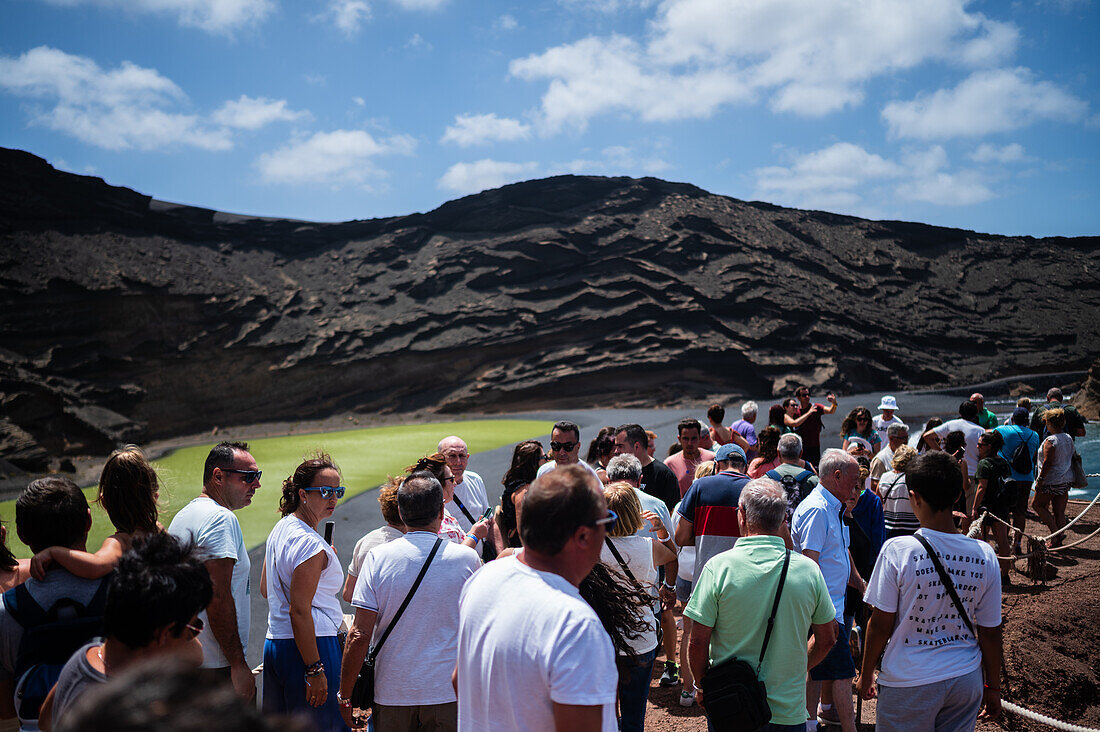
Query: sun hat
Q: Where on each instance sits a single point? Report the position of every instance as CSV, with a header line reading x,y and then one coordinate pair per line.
x,y
888,402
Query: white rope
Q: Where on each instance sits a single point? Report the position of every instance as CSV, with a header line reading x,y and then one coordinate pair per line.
x,y
1045,719
1075,520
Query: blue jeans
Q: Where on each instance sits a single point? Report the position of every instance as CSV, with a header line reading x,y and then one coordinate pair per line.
x,y
285,684
634,693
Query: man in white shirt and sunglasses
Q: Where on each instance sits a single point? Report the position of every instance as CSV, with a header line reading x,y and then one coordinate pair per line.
x,y
565,448
229,480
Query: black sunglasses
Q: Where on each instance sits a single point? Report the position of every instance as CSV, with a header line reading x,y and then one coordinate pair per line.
x,y
567,446
248,476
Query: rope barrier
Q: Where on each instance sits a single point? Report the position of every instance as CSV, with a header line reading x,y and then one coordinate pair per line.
x,y
1035,716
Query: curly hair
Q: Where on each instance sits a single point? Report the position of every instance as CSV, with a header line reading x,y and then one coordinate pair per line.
x,y
434,464
621,610
302,478
848,426
768,443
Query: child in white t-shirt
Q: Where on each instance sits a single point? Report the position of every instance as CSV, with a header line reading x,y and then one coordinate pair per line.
x,y
938,663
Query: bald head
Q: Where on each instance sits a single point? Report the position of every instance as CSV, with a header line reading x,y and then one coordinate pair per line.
x,y
454,450
978,399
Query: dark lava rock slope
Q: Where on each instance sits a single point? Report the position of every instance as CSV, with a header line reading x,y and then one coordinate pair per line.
x,y
123,317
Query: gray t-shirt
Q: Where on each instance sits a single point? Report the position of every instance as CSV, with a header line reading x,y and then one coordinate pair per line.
x,y
76,676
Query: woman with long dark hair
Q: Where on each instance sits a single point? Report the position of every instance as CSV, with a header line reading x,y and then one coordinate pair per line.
x,y
128,492
527,457
301,580
858,424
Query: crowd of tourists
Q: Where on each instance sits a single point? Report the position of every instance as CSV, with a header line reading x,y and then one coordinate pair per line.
x,y
748,554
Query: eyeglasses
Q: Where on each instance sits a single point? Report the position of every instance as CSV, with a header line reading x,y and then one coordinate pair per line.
x,y
861,419
608,521
248,476
566,446
449,479
328,491
195,627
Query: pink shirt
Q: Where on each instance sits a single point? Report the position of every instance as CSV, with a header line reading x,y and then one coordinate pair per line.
x,y
684,469
758,467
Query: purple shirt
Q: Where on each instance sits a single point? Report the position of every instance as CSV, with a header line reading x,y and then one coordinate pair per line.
x,y
746,430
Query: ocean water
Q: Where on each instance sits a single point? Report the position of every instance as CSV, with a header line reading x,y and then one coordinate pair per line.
x,y
1088,446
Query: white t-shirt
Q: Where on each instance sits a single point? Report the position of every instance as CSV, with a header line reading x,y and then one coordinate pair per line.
x,y
930,641
637,552
217,533
526,640
414,666
881,425
970,431
685,559
471,491
290,543
378,537
547,467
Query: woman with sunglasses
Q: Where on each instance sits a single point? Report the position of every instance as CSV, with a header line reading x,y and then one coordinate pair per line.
x,y
858,424
301,580
450,528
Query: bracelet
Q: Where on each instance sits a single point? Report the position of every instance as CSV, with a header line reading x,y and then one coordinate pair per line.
x,y
667,537
315,669
342,702
473,536
670,587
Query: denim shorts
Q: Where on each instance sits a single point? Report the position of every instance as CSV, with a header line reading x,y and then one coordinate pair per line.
x,y
683,589
838,664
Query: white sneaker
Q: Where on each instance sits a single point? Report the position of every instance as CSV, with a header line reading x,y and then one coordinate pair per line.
x,y
686,698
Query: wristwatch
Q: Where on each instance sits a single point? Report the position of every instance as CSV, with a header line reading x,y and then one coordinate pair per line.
x,y
342,702
670,587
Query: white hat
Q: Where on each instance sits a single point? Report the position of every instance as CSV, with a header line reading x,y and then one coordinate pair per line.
x,y
856,440
888,402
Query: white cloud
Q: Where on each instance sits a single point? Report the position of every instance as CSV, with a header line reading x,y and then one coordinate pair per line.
x,y
986,102
359,101
701,54
843,175
506,22
127,107
337,157
417,41
614,160
1011,153
595,76
477,129
347,15
315,79
420,4
464,178
217,16
250,113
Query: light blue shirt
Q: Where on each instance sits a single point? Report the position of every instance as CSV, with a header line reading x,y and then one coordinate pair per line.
x,y
657,506
816,526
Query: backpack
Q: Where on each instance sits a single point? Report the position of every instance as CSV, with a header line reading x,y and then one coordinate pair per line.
x,y
50,637
1021,456
795,485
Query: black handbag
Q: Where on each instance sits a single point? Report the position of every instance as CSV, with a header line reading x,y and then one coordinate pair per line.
x,y
734,697
362,694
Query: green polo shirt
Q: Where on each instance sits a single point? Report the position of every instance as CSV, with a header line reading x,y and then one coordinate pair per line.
x,y
987,419
734,595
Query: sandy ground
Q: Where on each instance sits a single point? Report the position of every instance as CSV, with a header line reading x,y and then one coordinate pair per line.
x,y
1051,640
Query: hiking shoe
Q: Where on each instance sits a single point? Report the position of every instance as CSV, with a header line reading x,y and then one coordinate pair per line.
x,y
828,716
686,698
671,675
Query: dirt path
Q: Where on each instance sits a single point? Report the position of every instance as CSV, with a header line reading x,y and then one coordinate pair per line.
x,y
1051,639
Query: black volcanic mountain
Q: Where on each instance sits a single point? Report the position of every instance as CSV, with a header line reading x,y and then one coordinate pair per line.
x,y
124,317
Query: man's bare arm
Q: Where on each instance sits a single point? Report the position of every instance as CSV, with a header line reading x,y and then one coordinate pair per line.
x,y
823,639
991,640
699,654
222,614
685,532
879,629
576,718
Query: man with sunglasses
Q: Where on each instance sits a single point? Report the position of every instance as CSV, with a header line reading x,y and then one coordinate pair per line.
x,y
532,654
229,480
152,612
565,449
810,430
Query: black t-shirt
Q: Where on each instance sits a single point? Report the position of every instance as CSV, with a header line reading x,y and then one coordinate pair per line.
x,y
995,471
1074,420
658,480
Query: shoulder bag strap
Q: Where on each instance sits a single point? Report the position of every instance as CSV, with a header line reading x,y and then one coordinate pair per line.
x,y
462,508
775,609
947,583
405,603
619,558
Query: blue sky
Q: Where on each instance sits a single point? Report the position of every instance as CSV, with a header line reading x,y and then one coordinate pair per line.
x,y
978,115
